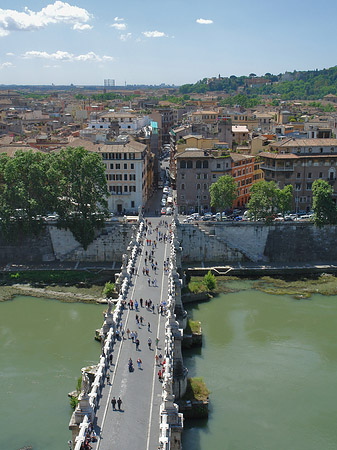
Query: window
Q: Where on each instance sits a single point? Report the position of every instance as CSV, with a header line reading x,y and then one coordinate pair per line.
x,y
218,166
205,164
111,166
213,176
132,204
309,186
189,165
205,176
182,187
205,187
125,165
183,164
198,186
321,149
118,167
198,165
309,175
132,166
239,173
321,175
310,149
132,177
298,175
125,177
198,176
205,197
125,188
298,186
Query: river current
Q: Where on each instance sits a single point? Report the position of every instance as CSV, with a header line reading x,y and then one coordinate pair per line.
x,y
269,361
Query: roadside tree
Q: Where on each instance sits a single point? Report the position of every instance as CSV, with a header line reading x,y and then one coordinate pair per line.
x,y
325,212
223,193
264,200
82,192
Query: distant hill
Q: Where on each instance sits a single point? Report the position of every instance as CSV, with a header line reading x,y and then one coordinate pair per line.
x,y
303,85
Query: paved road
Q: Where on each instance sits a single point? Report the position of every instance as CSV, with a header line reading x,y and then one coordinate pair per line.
x,y
136,426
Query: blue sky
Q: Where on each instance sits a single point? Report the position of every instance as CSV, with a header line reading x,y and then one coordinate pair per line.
x,y
152,42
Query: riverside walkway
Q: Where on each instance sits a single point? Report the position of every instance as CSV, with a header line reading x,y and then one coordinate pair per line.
x,y
136,425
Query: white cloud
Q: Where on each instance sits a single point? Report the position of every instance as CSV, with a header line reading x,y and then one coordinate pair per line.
x,y
154,34
27,20
119,26
66,56
10,54
204,21
5,64
118,19
82,27
125,37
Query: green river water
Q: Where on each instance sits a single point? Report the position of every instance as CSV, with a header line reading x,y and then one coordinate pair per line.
x,y
44,344
270,363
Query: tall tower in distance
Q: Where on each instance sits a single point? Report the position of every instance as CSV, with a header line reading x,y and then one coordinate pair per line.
x,y
109,82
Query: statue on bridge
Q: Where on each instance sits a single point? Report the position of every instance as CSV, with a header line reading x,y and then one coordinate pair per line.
x,y
85,382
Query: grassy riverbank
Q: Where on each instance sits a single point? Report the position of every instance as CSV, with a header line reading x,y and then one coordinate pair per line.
x,y
64,285
298,288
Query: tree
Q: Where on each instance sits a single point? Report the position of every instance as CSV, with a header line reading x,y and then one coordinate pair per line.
x,y
210,281
82,204
27,192
264,199
285,198
324,208
223,193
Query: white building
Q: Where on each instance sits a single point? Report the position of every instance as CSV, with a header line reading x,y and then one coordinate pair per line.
x,y
126,120
129,173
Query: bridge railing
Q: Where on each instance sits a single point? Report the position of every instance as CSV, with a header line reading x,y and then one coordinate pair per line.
x,y
89,397
171,421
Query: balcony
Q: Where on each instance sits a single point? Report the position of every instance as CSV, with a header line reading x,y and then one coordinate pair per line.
x,y
285,168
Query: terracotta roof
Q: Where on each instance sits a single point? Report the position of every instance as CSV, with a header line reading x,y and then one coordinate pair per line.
x,y
240,157
193,153
289,143
278,155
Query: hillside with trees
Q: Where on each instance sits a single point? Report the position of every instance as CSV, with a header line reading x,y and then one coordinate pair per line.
x,y
301,85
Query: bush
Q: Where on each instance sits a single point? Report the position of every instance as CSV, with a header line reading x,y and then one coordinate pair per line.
x,y
210,281
109,289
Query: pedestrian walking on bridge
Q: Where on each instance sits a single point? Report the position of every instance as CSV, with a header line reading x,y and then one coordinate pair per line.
x,y
119,403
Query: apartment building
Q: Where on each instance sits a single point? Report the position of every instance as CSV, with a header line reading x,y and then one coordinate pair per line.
x,y
129,174
300,162
197,169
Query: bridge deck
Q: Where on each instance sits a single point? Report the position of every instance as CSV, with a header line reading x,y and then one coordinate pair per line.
x,y
136,426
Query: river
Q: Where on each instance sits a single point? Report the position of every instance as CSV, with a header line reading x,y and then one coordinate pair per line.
x,y
270,363
44,345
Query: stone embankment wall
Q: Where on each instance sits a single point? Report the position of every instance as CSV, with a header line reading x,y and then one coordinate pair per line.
x,y
221,243
288,242
60,245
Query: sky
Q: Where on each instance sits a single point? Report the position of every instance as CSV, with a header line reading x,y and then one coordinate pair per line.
x,y
152,42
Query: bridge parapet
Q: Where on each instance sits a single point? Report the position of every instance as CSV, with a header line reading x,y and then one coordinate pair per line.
x,y
171,421
90,395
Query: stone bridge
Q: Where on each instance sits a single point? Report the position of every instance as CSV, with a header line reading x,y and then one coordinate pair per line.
x,y
148,417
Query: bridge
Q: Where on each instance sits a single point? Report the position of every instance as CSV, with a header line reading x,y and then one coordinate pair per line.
x,y
148,418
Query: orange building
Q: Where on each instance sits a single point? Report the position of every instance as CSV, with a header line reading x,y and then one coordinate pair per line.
x,y
243,174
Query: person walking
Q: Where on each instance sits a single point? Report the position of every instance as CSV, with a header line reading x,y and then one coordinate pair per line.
x,y
113,402
137,344
139,363
157,342
148,327
108,378
149,342
156,359
119,403
110,358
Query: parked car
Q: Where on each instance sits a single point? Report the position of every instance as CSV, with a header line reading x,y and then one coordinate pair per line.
x,y
169,210
163,211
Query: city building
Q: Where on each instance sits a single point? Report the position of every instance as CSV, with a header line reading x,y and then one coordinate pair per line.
x,y
299,163
129,174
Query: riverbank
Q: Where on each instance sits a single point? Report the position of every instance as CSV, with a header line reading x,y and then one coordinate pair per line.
x,y
294,285
52,292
